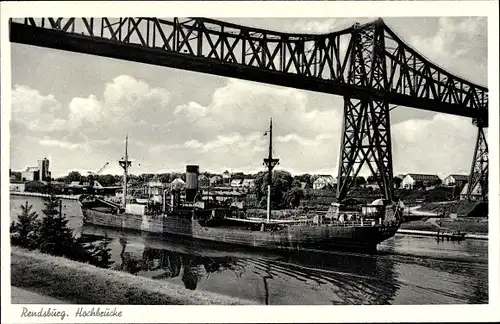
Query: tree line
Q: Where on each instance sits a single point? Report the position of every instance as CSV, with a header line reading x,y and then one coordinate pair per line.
x,y
109,179
51,234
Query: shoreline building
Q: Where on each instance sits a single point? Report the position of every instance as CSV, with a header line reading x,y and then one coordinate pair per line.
x,y
456,180
43,169
40,172
324,181
415,180
226,178
30,174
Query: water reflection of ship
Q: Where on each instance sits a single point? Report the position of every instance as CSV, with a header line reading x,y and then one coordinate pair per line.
x,y
170,264
342,278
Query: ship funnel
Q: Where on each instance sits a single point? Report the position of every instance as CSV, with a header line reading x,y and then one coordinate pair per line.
x,y
191,182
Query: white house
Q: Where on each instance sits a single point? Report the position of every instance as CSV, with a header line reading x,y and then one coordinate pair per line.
x,y
236,183
455,180
248,183
216,179
323,181
177,183
203,180
155,189
30,174
413,180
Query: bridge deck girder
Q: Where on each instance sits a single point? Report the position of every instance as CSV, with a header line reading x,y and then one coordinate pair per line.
x,y
411,84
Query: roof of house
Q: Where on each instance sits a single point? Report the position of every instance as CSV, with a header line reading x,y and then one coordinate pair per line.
x,y
325,178
178,180
423,177
58,183
35,182
202,177
248,182
236,181
153,183
460,177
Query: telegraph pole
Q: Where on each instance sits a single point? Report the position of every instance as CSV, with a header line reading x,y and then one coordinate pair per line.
x,y
270,163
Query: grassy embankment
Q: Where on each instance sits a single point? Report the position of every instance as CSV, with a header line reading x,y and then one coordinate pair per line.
x,y
459,207
471,225
82,283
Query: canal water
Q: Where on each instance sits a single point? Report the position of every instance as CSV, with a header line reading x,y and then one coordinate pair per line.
x,y
406,270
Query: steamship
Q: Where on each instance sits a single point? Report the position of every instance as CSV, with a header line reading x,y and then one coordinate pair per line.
x,y
194,217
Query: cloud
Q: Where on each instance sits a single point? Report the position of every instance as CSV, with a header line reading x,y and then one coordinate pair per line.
x,y
34,111
316,141
323,25
443,144
456,41
220,131
63,144
126,100
84,109
245,107
191,109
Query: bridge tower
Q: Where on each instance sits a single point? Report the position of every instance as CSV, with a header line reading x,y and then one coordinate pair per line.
x,y
478,178
366,133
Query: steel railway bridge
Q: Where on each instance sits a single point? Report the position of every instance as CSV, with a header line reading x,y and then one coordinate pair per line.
x,y
369,65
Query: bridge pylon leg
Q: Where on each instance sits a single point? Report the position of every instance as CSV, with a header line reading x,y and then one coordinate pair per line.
x,y
478,178
366,131
366,138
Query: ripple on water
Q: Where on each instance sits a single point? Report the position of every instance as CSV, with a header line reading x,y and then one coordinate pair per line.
x,y
407,270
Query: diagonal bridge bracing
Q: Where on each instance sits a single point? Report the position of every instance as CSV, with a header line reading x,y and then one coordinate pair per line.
x,y
369,65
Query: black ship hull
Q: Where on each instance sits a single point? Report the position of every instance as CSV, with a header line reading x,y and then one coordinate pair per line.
x,y
292,236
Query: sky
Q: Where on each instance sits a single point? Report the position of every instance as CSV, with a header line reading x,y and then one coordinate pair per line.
x,y
76,110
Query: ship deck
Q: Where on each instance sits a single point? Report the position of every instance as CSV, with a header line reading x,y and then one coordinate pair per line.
x,y
367,223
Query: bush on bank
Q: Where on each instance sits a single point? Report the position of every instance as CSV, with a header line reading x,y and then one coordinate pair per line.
x,y
52,235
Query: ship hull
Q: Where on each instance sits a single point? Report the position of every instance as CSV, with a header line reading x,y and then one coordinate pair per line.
x,y
290,237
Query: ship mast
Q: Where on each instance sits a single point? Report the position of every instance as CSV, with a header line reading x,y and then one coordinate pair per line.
x,y
125,164
270,163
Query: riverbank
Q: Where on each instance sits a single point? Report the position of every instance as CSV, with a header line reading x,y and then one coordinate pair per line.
x,y
41,195
473,227
81,283
434,233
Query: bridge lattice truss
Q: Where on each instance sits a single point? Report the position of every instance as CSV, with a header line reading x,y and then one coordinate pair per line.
x,y
369,65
